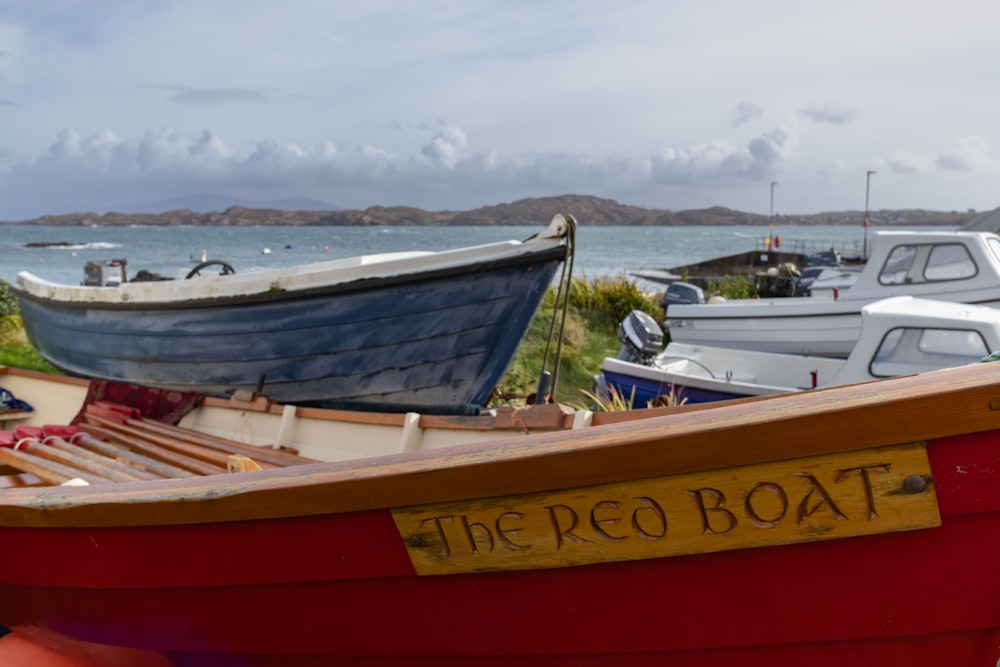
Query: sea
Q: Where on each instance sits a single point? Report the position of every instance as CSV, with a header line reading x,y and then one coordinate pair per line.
x,y
174,251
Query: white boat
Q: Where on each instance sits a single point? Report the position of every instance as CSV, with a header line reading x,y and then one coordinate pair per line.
x,y
955,266
899,336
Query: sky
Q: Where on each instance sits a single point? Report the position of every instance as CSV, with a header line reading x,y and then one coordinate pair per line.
x,y
457,104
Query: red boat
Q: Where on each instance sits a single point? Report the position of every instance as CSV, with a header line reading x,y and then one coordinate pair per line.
x,y
855,525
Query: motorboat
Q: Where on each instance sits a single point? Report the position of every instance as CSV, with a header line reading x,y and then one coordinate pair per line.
x,y
957,266
899,336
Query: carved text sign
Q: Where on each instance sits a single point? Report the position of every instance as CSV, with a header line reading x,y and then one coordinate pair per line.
x,y
825,497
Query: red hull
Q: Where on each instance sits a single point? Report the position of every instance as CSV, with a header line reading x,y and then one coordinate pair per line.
x,y
296,592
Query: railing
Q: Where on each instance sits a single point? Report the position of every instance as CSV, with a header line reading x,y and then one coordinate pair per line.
x,y
811,246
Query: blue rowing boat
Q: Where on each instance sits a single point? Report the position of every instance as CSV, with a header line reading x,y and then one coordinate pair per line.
x,y
431,332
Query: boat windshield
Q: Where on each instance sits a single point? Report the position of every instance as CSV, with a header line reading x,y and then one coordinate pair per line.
x,y
923,263
907,350
994,244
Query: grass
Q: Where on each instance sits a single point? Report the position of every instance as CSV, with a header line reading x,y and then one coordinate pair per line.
x,y
14,348
596,307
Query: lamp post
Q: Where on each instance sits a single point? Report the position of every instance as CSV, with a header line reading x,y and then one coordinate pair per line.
x,y
770,233
866,222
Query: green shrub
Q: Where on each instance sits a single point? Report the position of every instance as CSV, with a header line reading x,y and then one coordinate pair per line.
x,y
591,333
733,287
8,301
14,348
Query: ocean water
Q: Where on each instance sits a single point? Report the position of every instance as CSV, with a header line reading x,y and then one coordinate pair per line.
x,y
173,251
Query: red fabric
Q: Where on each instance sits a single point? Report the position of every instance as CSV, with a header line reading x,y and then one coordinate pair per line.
x,y
59,431
163,405
22,431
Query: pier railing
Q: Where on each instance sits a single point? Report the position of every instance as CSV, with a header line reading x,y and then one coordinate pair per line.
x,y
812,246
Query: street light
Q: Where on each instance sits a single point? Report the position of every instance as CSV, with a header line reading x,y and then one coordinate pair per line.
x,y
770,233
867,222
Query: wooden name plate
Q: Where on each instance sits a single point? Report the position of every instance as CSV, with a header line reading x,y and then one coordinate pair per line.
x,y
819,498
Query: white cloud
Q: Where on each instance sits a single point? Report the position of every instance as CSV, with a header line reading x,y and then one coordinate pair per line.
x,y
965,154
907,162
446,147
633,101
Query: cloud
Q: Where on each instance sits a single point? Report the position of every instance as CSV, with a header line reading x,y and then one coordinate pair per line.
x,y
965,154
215,96
829,113
96,171
446,147
772,147
908,162
724,161
165,161
745,112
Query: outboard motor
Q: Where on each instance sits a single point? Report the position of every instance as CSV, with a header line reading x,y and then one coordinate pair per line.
x,y
641,338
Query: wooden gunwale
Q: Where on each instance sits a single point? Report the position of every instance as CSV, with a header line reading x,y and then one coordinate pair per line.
x,y
900,410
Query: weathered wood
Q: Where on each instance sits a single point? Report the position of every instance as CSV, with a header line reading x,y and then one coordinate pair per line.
x,y
195,452
784,502
96,470
128,457
113,462
240,463
50,471
155,452
20,480
267,457
819,422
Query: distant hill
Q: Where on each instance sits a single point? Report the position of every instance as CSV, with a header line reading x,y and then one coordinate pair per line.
x,y
214,202
589,211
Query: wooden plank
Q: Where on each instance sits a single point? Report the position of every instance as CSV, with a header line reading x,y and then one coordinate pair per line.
x,y
820,498
112,462
50,471
205,454
20,480
155,451
128,457
266,456
240,463
96,470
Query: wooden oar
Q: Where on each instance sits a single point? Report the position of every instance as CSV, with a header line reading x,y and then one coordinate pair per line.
x,y
96,471
204,454
50,471
258,454
156,457
131,471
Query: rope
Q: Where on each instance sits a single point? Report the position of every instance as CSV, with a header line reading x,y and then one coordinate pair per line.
x,y
548,388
